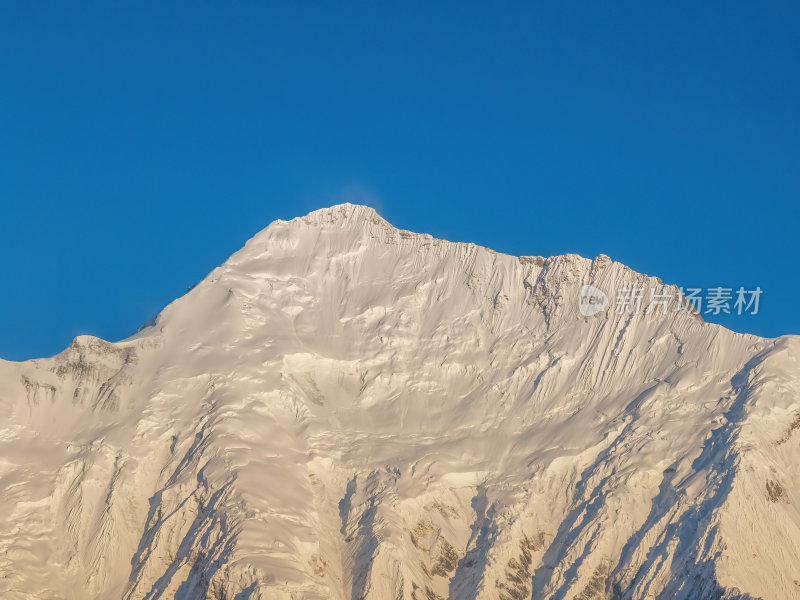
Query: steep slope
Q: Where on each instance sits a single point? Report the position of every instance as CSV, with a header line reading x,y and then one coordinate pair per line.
x,y
345,410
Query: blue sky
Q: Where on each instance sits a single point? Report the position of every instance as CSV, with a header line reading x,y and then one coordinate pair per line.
x,y
141,144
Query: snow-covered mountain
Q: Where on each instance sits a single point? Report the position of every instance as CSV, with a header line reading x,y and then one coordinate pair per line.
x,y
344,410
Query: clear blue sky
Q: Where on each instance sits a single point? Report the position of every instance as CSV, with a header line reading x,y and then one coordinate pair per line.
x,y
141,144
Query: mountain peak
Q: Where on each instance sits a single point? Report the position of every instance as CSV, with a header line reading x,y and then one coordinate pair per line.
x,y
344,409
343,214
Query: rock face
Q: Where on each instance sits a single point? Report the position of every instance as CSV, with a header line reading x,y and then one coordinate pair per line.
x,y
344,410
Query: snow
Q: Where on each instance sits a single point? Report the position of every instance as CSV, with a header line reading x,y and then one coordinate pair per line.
x,y
347,410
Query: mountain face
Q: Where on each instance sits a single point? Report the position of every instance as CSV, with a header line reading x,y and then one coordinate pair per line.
x,y
344,410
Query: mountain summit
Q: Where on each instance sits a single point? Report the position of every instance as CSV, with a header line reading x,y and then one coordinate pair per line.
x,y
345,410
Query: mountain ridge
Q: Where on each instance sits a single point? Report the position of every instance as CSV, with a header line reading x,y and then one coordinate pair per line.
x,y
346,410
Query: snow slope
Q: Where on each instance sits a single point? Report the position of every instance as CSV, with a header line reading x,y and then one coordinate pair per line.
x,y
345,410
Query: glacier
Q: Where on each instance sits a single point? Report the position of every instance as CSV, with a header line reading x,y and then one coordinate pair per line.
x,y
344,410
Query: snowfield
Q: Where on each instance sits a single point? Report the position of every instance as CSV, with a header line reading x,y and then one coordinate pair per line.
x,y
344,410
